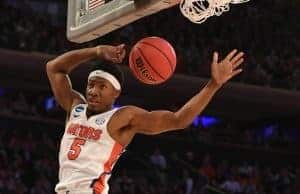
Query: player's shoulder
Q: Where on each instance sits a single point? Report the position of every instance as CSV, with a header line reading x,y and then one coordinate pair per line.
x,y
129,112
131,109
124,116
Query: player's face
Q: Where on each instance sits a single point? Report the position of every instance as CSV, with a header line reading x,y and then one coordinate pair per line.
x,y
100,94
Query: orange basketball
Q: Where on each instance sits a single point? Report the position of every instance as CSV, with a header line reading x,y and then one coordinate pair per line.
x,y
152,60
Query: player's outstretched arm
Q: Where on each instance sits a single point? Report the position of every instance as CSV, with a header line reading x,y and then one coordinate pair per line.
x,y
59,68
156,122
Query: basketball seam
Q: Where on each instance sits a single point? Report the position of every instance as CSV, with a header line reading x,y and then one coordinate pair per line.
x,y
153,69
135,70
170,63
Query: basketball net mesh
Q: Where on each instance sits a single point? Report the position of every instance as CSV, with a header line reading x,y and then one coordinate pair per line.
x,y
198,11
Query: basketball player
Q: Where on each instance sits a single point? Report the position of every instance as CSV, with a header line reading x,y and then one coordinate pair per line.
x,y
95,133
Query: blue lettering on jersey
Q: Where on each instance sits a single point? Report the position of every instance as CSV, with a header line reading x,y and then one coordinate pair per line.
x,y
100,121
79,109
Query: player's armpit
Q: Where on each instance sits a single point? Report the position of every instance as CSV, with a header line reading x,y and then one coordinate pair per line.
x,y
154,122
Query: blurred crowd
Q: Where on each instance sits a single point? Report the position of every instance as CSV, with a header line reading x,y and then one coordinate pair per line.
x,y
28,162
26,29
29,166
267,31
268,135
29,104
204,173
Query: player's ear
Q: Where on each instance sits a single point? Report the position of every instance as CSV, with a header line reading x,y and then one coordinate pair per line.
x,y
116,93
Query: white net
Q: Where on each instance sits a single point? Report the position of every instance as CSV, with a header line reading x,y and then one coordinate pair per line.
x,y
198,11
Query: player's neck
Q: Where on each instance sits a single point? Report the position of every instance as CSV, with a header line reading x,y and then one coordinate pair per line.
x,y
90,113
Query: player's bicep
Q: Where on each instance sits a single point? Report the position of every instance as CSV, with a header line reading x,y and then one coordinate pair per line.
x,y
154,122
62,89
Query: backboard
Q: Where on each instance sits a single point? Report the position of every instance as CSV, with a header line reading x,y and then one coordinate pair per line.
x,y
90,19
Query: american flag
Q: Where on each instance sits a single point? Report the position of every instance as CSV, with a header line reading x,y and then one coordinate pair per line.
x,y
93,4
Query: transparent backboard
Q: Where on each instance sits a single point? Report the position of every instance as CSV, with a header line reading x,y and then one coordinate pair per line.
x,y
90,19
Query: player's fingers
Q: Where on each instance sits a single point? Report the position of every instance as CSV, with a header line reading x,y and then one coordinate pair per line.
x,y
114,59
122,56
235,72
215,57
238,63
120,59
120,48
230,55
123,51
237,57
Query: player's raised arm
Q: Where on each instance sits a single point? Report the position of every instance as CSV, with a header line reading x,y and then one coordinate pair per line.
x,y
59,68
156,122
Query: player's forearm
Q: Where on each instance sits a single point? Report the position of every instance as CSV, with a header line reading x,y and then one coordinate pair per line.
x,y
67,62
196,105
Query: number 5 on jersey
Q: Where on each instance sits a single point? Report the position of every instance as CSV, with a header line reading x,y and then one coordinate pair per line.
x,y
75,148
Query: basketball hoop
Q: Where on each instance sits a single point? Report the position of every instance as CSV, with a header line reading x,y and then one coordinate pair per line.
x,y
198,11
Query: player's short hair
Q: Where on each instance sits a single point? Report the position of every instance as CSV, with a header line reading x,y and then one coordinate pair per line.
x,y
113,69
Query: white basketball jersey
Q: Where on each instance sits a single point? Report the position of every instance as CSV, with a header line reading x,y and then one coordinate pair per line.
x,y
87,153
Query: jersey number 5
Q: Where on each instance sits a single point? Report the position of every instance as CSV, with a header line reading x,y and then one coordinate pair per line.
x,y
75,148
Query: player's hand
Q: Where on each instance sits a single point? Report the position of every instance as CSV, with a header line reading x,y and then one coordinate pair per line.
x,y
224,70
114,54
